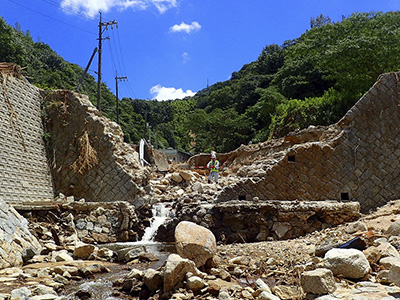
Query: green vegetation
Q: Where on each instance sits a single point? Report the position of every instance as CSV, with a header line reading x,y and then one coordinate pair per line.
x,y
312,80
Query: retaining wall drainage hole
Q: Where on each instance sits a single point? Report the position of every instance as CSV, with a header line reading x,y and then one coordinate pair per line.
x,y
344,196
291,158
242,197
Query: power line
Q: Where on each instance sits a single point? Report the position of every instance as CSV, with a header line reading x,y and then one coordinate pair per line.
x,y
119,64
130,90
69,10
44,15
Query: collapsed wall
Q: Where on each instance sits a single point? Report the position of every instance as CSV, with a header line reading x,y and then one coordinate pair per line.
x,y
256,221
89,157
24,172
17,244
356,159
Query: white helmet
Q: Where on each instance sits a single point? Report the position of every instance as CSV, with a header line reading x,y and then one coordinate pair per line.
x,y
213,155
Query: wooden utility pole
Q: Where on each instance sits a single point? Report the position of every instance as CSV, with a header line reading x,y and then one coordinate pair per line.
x,y
101,30
116,92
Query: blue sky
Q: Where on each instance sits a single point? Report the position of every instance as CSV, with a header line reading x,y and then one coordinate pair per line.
x,y
172,48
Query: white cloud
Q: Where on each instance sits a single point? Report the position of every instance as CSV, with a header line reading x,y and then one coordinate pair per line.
x,y
92,7
185,57
162,93
188,28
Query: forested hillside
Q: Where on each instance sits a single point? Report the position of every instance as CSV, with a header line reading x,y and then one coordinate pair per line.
x,y
312,80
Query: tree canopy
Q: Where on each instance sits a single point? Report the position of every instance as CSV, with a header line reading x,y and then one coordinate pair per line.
x,y
311,80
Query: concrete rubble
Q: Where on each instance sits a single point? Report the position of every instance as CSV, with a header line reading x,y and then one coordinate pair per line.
x,y
282,269
279,225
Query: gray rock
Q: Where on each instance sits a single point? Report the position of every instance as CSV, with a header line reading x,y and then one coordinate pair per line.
x,y
319,281
267,296
66,269
176,177
281,228
388,262
356,226
195,283
14,227
41,289
130,253
223,294
21,294
152,279
175,270
29,252
45,297
135,273
63,256
394,229
394,274
350,263
387,250
261,285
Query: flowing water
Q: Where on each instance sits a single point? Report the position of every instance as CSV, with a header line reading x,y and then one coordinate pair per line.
x,y
101,287
160,214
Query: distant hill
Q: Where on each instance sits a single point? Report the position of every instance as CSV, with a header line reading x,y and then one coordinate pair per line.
x,y
312,80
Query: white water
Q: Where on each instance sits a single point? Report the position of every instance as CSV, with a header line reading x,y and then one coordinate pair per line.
x,y
160,214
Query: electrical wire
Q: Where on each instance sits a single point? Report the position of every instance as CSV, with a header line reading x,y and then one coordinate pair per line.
x,y
44,15
118,63
69,10
123,65
119,50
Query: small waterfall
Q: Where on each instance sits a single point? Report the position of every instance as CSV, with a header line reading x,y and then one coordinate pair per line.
x,y
160,213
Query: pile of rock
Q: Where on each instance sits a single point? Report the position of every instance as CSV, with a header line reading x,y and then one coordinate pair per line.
x,y
180,184
17,244
200,272
53,266
91,222
196,248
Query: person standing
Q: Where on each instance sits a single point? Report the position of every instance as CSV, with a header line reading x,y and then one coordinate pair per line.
x,y
213,165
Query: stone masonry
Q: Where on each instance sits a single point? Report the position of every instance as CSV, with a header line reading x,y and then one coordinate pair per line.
x,y
88,155
356,159
239,221
16,242
24,172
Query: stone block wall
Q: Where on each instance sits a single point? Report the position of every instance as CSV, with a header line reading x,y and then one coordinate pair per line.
x,y
256,221
356,159
24,172
89,157
15,238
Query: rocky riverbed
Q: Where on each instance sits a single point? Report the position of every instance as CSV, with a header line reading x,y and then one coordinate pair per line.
x,y
72,264
263,270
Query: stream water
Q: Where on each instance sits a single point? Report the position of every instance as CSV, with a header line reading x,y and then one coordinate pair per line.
x,y
101,287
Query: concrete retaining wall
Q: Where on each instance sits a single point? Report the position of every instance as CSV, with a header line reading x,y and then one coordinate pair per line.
x,y
357,159
24,172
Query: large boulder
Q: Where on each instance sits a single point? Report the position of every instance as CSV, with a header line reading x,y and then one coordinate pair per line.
x,y
350,263
195,242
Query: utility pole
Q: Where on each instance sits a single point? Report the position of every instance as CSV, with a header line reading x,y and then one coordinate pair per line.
x,y
116,91
101,30
86,70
